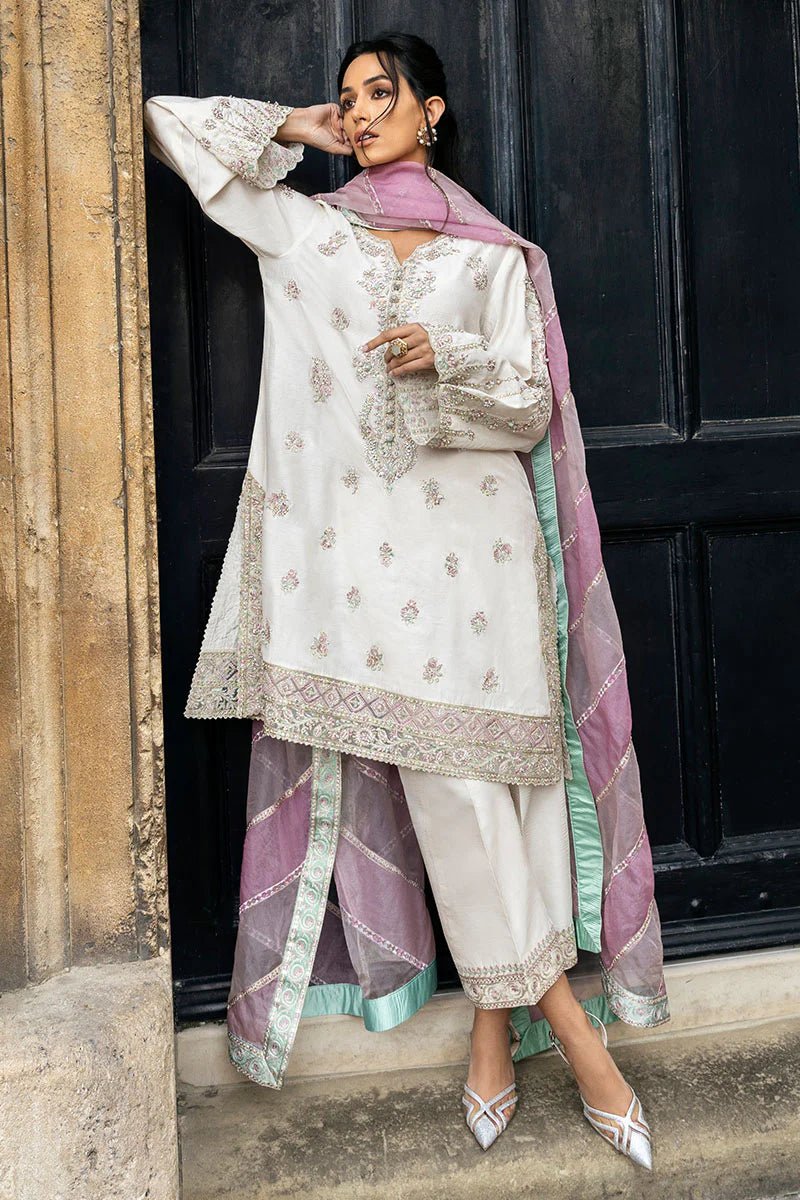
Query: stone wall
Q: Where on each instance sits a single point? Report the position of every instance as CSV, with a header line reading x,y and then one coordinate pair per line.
x,y
83,871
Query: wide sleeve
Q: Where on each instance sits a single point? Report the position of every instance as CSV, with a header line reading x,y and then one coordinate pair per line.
x,y
224,148
490,389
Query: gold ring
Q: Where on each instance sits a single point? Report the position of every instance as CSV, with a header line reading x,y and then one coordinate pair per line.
x,y
399,347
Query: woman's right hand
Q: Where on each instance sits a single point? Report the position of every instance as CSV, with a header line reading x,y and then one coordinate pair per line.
x,y
318,125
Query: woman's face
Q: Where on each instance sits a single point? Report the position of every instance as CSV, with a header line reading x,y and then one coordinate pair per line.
x,y
366,92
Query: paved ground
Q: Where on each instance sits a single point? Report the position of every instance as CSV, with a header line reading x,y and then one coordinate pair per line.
x,y
724,1107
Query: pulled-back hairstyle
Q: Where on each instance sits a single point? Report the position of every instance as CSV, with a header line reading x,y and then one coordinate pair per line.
x,y
423,71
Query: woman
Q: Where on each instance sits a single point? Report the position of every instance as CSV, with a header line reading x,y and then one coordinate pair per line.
x,y
393,610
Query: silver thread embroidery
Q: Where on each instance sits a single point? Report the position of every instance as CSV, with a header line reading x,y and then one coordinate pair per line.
x,y
478,622
432,493
321,380
374,659
432,671
278,503
320,645
409,612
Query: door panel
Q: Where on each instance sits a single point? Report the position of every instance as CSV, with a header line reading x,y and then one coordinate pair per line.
x,y
652,150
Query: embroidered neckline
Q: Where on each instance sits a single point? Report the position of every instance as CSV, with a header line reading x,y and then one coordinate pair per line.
x,y
387,247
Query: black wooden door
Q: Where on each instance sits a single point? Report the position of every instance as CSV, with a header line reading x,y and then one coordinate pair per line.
x,y
652,149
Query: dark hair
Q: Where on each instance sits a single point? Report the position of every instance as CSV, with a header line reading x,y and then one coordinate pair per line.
x,y
422,69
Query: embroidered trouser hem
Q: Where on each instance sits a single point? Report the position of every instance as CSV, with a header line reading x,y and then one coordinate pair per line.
x,y
498,859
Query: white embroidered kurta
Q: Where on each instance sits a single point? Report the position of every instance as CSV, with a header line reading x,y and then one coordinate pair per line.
x,y
386,589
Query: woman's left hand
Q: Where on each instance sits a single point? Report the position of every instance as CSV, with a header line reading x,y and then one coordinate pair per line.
x,y
419,356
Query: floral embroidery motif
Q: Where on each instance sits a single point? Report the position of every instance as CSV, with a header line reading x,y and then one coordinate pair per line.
x,y
328,538
480,275
364,364
291,289
489,485
385,553
350,480
409,612
490,680
373,282
451,564
321,380
293,440
333,243
320,645
240,134
354,597
278,503
432,671
478,622
340,319
374,659
433,496
502,551
290,581
418,285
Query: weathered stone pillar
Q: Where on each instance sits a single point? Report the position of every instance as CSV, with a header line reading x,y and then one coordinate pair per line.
x,y
87,1089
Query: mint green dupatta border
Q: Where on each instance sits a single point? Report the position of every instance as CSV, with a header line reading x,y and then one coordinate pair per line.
x,y
380,1013
586,842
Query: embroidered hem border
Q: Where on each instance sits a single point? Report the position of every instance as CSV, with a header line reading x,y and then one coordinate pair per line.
x,y
506,985
644,1011
355,719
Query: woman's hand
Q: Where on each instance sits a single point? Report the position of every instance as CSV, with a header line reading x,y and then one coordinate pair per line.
x,y
420,351
319,125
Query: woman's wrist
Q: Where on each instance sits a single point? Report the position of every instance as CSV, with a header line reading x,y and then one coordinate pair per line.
x,y
293,129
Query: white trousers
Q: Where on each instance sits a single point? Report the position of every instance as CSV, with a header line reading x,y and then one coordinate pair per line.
x,y
498,859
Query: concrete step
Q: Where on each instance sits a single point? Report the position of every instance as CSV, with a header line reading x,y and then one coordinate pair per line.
x,y
723,1104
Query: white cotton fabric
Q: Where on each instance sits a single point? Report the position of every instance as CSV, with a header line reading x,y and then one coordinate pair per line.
x,y
498,860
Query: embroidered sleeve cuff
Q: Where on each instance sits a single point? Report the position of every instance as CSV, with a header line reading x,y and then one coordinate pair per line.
x,y
240,133
459,355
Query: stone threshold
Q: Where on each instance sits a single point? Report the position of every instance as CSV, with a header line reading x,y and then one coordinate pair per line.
x,y
723,989
723,1105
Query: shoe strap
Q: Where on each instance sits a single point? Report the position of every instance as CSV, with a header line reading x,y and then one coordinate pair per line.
x,y
557,1044
485,1107
617,1128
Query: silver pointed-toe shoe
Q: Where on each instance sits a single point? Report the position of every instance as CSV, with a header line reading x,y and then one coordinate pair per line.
x,y
628,1134
487,1118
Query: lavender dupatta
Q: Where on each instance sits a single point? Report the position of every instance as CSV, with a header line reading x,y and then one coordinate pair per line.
x,y
300,801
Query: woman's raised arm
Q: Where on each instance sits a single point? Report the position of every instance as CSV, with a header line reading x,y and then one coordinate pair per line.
x,y
226,149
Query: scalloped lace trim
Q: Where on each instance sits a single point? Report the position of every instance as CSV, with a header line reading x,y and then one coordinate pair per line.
x,y
240,134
